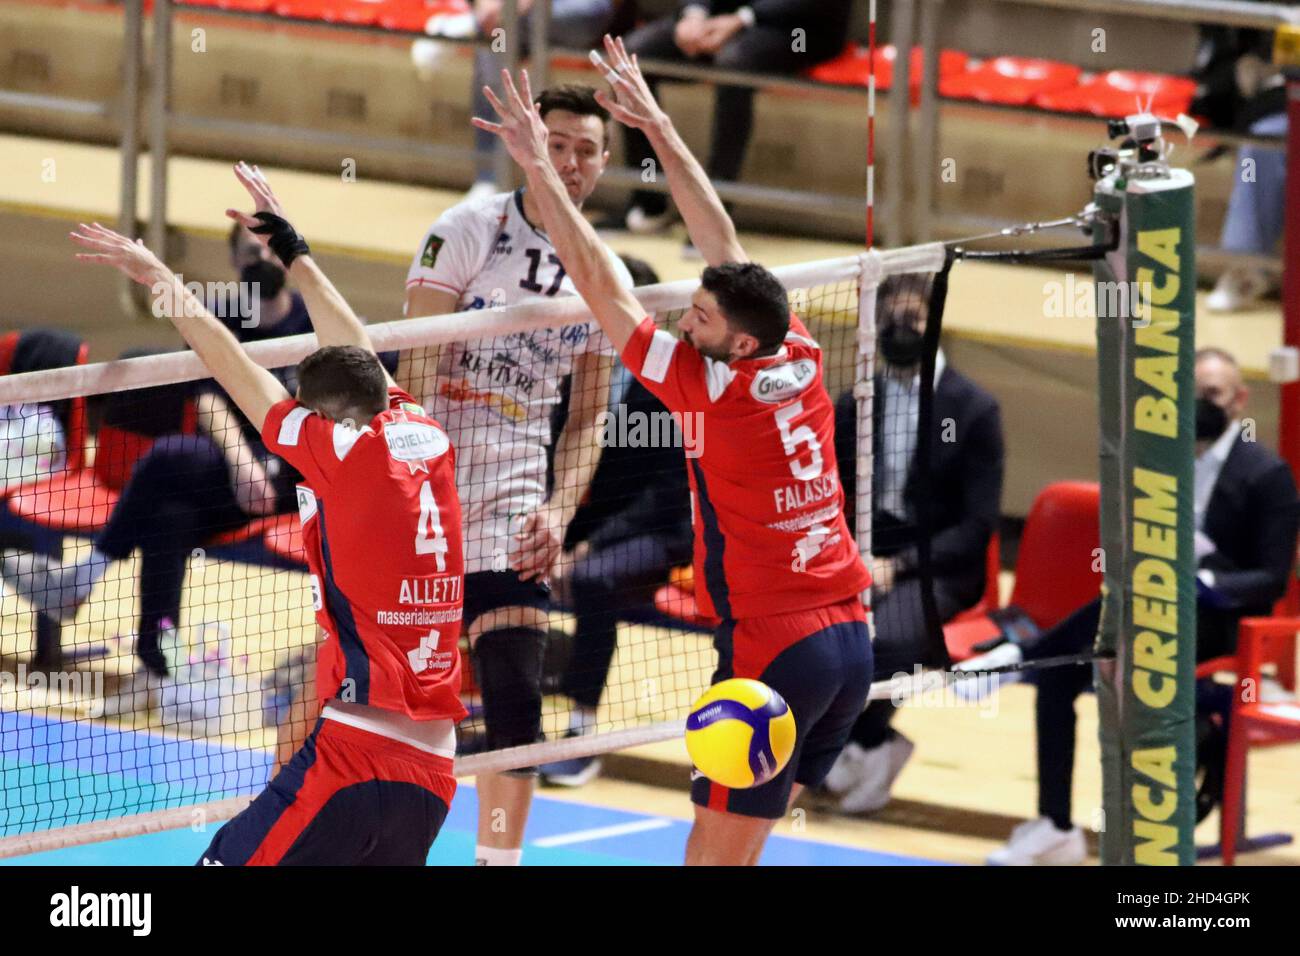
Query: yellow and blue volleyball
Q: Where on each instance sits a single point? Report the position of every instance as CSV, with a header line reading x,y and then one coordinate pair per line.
x,y
740,733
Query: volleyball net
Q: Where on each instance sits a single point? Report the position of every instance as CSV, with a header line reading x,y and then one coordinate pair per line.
x,y
157,634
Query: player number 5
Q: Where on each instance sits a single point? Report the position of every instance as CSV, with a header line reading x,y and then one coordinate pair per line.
x,y
803,435
429,538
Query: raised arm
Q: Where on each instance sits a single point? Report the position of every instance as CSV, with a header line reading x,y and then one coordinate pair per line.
x,y
707,221
331,316
252,387
583,255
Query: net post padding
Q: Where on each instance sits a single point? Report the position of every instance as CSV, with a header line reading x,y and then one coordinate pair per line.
x,y
1146,395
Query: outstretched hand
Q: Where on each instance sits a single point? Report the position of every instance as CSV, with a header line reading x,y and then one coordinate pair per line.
x,y
521,127
251,178
128,257
632,103
537,545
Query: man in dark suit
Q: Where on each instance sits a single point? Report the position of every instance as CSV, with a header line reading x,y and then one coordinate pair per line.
x,y
962,492
769,36
1247,519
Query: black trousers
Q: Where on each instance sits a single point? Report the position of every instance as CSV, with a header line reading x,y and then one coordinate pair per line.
x,y
902,640
604,583
180,495
1059,687
757,48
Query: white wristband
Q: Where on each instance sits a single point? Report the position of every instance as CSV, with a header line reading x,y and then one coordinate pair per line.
x,y
747,17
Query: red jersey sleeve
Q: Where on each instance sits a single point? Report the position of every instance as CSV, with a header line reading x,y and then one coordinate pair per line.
x,y
313,444
799,330
397,398
674,372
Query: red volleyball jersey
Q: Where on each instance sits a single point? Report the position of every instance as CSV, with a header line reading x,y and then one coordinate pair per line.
x,y
767,506
381,527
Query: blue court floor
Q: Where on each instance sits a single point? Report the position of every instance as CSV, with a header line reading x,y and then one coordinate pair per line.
x,y
51,770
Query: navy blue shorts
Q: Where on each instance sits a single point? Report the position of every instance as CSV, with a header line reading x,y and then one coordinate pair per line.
x,y
347,798
488,590
822,666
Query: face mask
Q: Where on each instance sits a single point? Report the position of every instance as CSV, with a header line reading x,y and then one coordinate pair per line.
x,y
901,345
264,277
1211,420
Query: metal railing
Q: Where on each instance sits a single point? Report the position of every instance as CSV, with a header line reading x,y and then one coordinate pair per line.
x,y
902,221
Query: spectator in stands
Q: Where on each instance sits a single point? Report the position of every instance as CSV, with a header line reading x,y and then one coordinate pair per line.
x,y
762,36
193,483
32,443
184,491
1239,89
965,493
1247,519
574,23
33,436
632,531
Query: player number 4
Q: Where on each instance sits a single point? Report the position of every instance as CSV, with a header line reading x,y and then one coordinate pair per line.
x,y
429,538
803,435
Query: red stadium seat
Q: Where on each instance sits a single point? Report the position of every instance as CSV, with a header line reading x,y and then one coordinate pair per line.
x,y
676,599
283,537
355,12
1122,92
992,568
1054,570
412,16
8,343
241,6
850,67
1010,80
74,501
1253,722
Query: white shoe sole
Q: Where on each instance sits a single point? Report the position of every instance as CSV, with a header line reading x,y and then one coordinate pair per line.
x,y
589,774
878,797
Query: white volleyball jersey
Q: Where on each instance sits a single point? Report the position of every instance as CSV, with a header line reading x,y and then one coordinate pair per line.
x,y
495,396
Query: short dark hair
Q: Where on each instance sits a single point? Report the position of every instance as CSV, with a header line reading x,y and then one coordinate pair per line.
x,y
346,377
574,98
752,299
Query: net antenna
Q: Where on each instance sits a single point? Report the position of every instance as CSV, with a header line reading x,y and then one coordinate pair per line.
x,y
1141,153
871,123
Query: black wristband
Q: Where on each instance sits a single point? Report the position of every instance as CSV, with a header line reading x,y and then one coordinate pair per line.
x,y
283,239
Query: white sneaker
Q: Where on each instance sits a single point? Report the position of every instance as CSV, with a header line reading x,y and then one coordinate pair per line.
x,y
847,770
979,686
1240,287
642,223
883,764
45,584
1039,843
